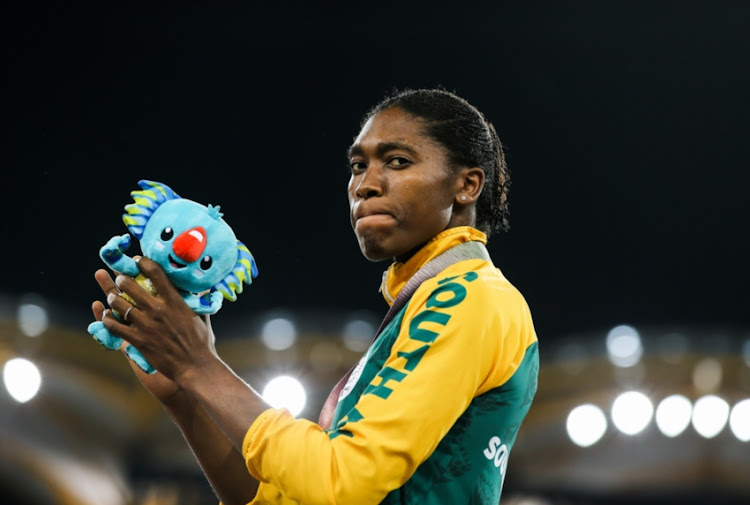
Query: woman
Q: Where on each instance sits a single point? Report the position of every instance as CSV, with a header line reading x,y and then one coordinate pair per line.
x,y
430,413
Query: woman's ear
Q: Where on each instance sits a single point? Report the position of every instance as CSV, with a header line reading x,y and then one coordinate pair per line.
x,y
470,183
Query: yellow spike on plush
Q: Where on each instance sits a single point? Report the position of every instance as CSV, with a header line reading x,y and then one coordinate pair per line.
x,y
135,210
147,193
145,202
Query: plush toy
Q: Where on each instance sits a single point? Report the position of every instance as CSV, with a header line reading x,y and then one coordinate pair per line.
x,y
193,244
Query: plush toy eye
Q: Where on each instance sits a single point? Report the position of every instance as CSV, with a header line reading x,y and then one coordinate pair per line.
x,y
167,233
206,263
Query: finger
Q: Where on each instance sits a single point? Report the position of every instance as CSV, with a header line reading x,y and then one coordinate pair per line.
x,y
105,282
98,309
119,328
120,305
161,282
128,286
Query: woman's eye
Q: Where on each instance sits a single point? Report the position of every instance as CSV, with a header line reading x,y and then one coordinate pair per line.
x,y
398,161
357,165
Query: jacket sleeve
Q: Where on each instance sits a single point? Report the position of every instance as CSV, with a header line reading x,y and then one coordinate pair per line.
x,y
457,339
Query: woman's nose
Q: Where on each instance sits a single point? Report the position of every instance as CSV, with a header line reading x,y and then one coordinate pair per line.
x,y
371,183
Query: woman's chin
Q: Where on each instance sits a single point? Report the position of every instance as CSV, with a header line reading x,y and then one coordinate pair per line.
x,y
374,249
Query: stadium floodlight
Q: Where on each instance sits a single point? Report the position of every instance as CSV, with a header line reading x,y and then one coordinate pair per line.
x,y
279,333
33,318
631,412
624,346
586,425
286,392
710,415
22,379
673,415
739,420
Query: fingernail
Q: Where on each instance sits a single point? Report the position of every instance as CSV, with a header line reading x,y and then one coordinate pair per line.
x,y
110,298
119,279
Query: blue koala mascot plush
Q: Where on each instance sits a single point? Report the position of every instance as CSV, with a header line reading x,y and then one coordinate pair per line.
x,y
192,243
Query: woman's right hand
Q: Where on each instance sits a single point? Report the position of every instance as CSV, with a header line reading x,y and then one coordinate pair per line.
x,y
162,388
221,462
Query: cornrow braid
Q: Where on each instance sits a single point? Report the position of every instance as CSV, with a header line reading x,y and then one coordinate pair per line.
x,y
500,184
469,141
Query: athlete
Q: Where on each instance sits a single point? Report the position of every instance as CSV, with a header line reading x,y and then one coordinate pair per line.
x,y
430,413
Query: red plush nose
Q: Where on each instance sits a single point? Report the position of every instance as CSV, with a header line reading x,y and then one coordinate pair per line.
x,y
189,245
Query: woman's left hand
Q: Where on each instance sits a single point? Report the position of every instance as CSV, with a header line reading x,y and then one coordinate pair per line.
x,y
173,338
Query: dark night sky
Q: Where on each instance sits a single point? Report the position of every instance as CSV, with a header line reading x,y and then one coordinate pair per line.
x,y
626,125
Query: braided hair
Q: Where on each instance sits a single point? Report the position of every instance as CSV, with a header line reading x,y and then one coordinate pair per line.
x,y
469,141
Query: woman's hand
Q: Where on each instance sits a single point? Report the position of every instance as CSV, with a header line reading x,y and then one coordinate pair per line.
x,y
176,341
173,338
162,388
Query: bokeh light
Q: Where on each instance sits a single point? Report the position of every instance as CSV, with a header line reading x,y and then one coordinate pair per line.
x,y
710,415
358,334
285,392
673,415
746,352
631,412
739,420
32,317
707,375
624,346
279,333
586,425
22,379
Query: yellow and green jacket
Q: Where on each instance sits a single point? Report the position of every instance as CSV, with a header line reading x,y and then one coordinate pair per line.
x,y
430,413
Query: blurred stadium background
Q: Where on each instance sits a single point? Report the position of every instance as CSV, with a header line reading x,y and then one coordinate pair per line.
x,y
626,127
630,415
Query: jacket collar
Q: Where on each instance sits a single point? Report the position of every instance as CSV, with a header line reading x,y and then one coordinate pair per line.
x,y
398,274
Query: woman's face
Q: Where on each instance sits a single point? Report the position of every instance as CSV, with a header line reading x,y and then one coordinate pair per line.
x,y
401,191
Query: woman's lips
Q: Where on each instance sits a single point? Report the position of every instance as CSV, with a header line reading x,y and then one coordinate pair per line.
x,y
374,220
